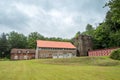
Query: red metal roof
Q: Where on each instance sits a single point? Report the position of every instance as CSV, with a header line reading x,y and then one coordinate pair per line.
x,y
54,44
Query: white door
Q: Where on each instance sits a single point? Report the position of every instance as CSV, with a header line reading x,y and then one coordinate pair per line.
x,y
25,56
60,56
15,57
54,56
69,55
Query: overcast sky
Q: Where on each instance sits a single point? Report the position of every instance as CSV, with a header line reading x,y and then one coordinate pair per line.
x,y
51,18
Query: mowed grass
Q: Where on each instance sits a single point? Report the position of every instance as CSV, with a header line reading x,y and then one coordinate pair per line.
x,y
84,68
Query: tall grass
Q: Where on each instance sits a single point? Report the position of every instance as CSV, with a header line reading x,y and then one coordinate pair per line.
x,y
85,68
91,61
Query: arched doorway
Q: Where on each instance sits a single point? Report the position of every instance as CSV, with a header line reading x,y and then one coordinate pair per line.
x,y
88,52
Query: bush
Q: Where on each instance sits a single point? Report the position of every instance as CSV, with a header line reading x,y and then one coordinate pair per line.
x,y
115,54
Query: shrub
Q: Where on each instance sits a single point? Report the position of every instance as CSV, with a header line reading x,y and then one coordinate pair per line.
x,y
115,54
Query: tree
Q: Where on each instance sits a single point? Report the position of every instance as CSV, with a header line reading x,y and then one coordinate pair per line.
x,y
17,40
3,45
77,34
114,39
114,6
107,34
115,54
32,37
89,27
113,15
101,37
89,30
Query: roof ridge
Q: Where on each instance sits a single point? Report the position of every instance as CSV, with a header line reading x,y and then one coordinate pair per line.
x,y
54,41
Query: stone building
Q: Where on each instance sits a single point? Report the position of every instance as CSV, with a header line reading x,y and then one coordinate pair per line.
x,y
83,44
22,54
54,49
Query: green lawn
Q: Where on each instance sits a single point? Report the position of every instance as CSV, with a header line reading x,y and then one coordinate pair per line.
x,y
85,68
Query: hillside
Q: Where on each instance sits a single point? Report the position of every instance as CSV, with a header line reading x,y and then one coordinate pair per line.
x,y
81,61
84,68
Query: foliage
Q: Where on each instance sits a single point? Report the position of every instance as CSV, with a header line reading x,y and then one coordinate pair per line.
x,y
17,40
57,39
115,54
89,30
114,6
3,45
89,27
113,15
77,34
101,37
114,39
32,37
106,35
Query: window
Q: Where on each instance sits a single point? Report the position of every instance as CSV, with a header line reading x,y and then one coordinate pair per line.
x,y
47,55
27,51
54,54
15,57
39,48
19,51
74,54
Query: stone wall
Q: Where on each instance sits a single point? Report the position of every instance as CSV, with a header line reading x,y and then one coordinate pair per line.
x,y
83,44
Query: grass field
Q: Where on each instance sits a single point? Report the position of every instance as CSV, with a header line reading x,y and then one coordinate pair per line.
x,y
85,68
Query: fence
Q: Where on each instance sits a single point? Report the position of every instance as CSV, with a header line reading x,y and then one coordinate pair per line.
x,y
102,52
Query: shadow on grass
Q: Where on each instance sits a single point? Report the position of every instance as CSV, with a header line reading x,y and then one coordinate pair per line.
x,y
4,59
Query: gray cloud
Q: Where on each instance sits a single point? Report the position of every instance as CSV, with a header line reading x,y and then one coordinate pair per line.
x,y
60,18
12,18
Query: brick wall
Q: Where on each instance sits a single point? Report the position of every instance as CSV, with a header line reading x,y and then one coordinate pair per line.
x,y
102,52
20,56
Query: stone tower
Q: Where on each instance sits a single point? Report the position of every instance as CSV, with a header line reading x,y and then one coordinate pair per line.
x,y
83,44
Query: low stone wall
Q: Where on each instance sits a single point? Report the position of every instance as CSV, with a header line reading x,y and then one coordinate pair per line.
x,y
102,52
